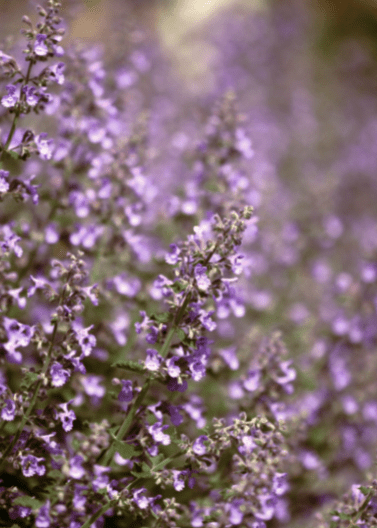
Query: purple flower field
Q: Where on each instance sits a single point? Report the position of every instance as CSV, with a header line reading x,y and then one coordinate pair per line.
x,y
188,271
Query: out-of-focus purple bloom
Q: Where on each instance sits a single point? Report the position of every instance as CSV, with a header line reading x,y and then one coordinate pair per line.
x,y
267,504
230,358
40,47
140,498
67,417
43,518
173,370
251,383
10,100
173,257
44,146
59,375
201,278
248,445
156,431
86,340
126,393
280,484
175,416
235,514
198,446
90,382
56,72
153,360
32,465
289,373
4,185
9,411
76,470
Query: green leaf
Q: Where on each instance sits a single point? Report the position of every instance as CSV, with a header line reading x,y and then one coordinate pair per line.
x,y
141,474
133,366
28,502
163,317
13,154
29,379
180,334
364,490
125,450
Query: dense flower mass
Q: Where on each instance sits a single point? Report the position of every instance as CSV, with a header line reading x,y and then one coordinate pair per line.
x,y
188,312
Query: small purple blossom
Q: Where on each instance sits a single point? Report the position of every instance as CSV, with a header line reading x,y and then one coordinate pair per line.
x,y
59,375
43,518
4,185
201,278
40,47
126,394
251,383
173,370
198,446
44,146
76,470
156,431
66,417
153,360
32,465
9,411
10,100
56,72
31,95
140,499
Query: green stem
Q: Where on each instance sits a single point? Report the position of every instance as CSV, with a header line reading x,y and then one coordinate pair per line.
x,y
126,425
33,401
98,514
361,509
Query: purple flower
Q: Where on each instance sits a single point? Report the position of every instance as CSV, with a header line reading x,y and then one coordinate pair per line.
x,y
156,431
173,385
86,340
179,479
32,97
175,417
8,412
56,72
230,358
252,380
198,446
140,499
173,257
267,504
280,484
289,373
248,445
153,360
67,417
59,376
201,278
235,514
10,100
31,466
40,47
17,512
126,394
43,517
198,370
44,146
91,385
4,185
173,370
76,471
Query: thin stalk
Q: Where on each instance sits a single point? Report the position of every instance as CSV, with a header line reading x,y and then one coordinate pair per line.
x,y
98,514
33,401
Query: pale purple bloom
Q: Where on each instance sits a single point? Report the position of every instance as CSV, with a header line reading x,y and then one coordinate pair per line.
x,y
40,47
32,96
198,370
4,185
32,465
56,72
248,445
207,322
235,514
9,411
126,393
267,504
175,416
140,499
289,373
153,360
59,375
201,278
179,479
230,358
128,286
92,387
251,383
280,483
44,146
76,470
156,431
198,446
10,100
173,370
86,340
43,518
67,417
10,241
173,257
